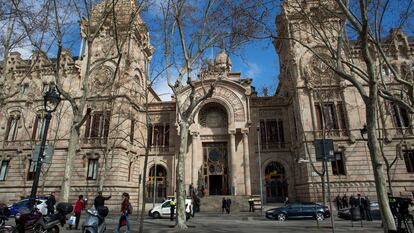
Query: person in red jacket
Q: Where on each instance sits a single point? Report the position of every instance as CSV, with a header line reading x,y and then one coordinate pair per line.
x,y
79,206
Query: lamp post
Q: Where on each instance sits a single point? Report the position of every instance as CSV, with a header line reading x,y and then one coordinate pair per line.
x,y
51,100
260,167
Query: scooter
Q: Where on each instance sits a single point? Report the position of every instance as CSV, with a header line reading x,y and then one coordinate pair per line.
x,y
95,221
33,221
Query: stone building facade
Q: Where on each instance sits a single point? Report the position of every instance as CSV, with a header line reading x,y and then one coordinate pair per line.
x,y
231,130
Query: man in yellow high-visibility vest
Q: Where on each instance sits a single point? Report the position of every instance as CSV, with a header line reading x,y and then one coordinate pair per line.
x,y
172,208
251,204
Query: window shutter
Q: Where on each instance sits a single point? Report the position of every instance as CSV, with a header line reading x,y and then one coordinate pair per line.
x,y
318,116
131,134
167,135
281,133
35,125
342,115
107,121
87,126
9,123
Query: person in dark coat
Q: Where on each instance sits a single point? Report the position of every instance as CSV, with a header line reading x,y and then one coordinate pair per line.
x,y
228,201
50,203
100,200
367,207
359,202
345,201
338,202
126,210
352,201
223,205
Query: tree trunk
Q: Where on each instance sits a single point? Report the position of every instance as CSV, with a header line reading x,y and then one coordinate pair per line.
x,y
180,172
72,147
144,184
323,183
374,151
389,180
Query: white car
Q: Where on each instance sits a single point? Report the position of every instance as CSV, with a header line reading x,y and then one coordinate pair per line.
x,y
164,209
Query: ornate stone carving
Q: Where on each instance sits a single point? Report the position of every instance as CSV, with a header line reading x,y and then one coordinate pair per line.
x,y
101,78
234,101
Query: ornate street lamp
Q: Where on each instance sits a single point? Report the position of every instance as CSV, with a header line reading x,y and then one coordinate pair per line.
x,y
51,101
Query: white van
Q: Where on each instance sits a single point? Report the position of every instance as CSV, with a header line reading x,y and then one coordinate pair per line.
x,y
161,210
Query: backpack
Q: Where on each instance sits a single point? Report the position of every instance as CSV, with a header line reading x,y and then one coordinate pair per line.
x,y
129,208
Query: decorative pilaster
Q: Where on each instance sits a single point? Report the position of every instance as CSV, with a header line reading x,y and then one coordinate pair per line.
x,y
246,162
233,161
194,145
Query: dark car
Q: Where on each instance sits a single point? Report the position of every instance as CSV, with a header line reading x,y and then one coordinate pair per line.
x,y
375,212
299,210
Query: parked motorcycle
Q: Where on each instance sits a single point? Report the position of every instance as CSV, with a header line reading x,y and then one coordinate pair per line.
x,y
4,216
95,221
34,221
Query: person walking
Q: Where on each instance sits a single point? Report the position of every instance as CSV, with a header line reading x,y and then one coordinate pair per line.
x,y
223,205
196,204
100,200
367,207
251,204
172,208
126,209
50,203
79,206
344,201
188,208
228,201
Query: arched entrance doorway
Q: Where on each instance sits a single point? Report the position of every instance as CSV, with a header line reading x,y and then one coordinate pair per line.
x,y
213,117
276,182
157,177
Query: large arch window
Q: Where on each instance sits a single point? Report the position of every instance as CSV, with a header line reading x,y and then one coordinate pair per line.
x,y
213,115
12,128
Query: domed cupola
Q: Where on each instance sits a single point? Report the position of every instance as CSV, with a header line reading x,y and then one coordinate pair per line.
x,y
223,61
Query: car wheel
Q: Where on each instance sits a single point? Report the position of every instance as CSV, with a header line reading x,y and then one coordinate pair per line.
x,y
156,215
281,217
320,217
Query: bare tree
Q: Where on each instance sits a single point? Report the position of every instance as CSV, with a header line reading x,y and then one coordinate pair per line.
x,y
106,18
347,38
192,28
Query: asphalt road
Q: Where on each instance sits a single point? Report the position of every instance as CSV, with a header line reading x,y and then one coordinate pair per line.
x,y
241,222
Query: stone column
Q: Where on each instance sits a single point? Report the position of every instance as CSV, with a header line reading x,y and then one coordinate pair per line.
x,y
232,162
246,162
194,152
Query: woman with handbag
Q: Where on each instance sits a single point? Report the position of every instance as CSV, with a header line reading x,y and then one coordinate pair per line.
x,y
79,206
126,209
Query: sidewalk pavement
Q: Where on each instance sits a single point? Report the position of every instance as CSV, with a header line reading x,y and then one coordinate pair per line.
x,y
238,223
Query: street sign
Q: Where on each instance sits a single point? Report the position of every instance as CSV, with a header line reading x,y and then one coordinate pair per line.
x,y
324,147
48,153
